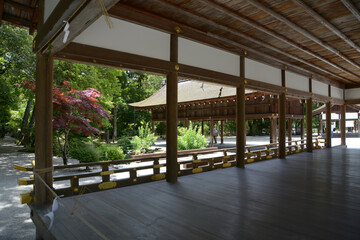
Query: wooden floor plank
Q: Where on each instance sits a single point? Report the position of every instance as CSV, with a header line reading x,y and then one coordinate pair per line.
x,y
307,196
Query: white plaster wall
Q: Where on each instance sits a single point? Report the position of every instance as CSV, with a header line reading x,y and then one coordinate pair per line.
x,y
203,56
352,93
337,92
261,72
296,81
320,88
49,7
127,37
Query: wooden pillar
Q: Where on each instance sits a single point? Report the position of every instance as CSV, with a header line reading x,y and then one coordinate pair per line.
x,y
328,125
302,132
43,128
289,130
222,131
152,127
282,120
186,123
342,125
171,115
309,145
202,127
211,133
240,118
320,125
282,125
273,129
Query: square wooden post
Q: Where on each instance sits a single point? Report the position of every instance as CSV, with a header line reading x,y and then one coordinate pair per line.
x,y
282,125
309,144
171,115
240,118
302,132
328,125
222,131
202,127
211,133
43,129
273,129
342,125
282,120
289,130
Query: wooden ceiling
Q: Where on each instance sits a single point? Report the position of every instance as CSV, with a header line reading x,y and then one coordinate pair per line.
x,y
320,37
21,13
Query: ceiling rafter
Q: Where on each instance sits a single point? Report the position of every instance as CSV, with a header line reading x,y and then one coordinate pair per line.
x,y
352,8
242,35
19,6
126,12
301,30
327,24
270,32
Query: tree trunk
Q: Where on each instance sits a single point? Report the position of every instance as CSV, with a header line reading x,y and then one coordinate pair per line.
x,y
115,123
25,120
107,139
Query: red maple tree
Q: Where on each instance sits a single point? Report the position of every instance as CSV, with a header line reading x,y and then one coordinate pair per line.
x,y
76,111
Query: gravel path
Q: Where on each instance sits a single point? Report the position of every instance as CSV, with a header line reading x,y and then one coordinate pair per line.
x,y
15,222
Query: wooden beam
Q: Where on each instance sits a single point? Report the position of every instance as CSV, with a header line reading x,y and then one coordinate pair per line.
x,y
128,13
100,56
240,119
1,11
171,115
16,20
303,32
352,101
352,8
80,14
272,33
252,39
342,124
328,125
327,24
18,6
309,144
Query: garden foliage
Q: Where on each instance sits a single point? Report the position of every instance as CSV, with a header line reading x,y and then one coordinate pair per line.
x,y
145,138
191,138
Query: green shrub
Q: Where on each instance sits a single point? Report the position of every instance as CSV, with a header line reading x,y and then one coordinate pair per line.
x,y
110,152
145,139
191,138
85,153
124,143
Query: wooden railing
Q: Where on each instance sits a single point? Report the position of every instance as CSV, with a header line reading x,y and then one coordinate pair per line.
x,y
149,169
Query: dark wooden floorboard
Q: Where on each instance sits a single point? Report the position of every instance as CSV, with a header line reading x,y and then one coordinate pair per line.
x,y
306,196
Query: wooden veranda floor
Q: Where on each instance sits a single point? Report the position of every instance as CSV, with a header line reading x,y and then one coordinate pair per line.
x,y
306,196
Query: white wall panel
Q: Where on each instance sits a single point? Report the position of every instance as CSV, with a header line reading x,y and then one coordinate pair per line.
x,y
261,72
127,37
296,81
336,92
352,93
203,56
320,88
49,7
